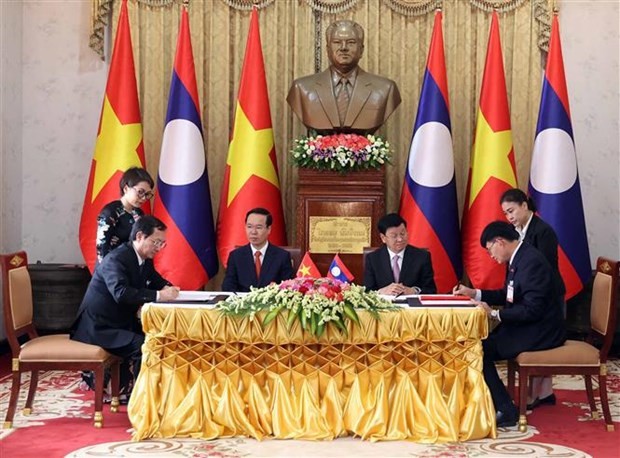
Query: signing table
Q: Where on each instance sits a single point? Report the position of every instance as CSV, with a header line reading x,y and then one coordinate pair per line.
x,y
414,374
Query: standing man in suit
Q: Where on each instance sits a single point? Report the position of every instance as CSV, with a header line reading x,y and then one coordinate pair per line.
x,y
123,281
532,317
344,98
397,267
258,263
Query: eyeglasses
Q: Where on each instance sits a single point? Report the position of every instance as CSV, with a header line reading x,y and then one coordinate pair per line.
x,y
142,194
401,235
489,247
159,244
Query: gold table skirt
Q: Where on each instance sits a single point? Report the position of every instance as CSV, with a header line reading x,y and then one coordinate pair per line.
x,y
416,374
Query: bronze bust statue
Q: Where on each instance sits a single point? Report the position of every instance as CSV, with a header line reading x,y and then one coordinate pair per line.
x,y
344,98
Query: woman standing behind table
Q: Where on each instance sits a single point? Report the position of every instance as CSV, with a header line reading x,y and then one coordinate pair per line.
x,y
116,219
519,210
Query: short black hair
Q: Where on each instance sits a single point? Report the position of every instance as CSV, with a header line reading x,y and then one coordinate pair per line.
x,y
518,197
146,224
260,211
390,220
133,176
497,229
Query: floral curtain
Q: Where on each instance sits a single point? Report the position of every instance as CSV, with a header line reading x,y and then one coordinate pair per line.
x,y
397,39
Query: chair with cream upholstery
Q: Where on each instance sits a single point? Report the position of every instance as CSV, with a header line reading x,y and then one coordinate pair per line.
x,y
576,357
44,353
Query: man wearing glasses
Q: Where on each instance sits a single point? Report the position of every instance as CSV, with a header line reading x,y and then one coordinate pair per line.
x,y
258,263
532,318
398,268
123,281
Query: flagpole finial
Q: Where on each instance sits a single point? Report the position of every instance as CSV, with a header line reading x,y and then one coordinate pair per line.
x,y
556,9
186,3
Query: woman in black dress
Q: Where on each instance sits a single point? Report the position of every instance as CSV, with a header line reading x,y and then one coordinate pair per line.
x,y
116,219
519,210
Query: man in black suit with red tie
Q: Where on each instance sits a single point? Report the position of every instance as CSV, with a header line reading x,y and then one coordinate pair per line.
x,y
532,317
397,267
258,263
123,281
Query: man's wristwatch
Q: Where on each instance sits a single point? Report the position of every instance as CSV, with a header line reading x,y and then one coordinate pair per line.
x,y
495,314
416,290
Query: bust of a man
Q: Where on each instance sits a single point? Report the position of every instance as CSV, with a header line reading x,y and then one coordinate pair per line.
x,y
344,98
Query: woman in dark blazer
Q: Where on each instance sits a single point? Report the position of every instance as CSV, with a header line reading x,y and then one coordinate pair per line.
x,y
520,211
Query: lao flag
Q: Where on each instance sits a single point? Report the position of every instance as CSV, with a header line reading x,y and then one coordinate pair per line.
x,y
554,180
308,268
183,200
428,200
339,271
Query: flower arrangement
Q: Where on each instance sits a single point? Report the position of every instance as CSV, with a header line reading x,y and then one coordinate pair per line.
x,y
314,302
341,152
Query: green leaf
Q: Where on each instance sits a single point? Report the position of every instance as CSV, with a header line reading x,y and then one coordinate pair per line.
x,y
313,323
290,319
340,325
270,316
303,319
350,312
320,329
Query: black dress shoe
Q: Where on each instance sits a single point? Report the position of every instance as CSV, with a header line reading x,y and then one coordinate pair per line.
x,y
550,400
507,417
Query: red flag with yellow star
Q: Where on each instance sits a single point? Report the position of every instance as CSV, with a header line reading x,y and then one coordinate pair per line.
x,y
492,168
251,175
307,267
119,138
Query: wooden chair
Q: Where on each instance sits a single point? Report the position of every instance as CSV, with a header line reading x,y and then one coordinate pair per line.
x,y
365,252
43,353
577,357
295,253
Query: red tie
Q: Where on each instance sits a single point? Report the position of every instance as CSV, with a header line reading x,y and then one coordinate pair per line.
x,y
257,263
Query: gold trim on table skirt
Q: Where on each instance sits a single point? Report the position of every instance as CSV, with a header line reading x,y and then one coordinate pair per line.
x,y
414,374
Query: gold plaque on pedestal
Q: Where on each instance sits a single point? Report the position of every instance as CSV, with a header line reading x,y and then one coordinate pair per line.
x,y
336,234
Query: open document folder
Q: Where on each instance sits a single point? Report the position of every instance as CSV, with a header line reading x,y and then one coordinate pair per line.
x,y
205,298
430,300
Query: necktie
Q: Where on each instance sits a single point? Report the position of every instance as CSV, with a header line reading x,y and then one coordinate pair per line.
x,y
257,263
395,268
342,99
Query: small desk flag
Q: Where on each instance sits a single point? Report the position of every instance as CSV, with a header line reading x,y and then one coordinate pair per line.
x,y
308,268
339,271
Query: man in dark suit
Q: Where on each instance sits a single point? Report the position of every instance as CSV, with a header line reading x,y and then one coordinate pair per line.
x,y
397,267
258,263
532,317
344,98
125,279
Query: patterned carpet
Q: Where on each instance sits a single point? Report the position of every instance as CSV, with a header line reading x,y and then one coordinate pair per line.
x,y
60,426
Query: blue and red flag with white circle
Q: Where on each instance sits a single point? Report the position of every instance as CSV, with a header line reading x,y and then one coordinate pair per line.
x,y
428,199
339,271
183,199
554,179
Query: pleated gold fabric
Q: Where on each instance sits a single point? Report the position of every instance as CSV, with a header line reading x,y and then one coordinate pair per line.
x,y
415,374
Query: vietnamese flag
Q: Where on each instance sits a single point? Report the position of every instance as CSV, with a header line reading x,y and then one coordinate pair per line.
x,y
492,168
251,175
119,138
308,268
